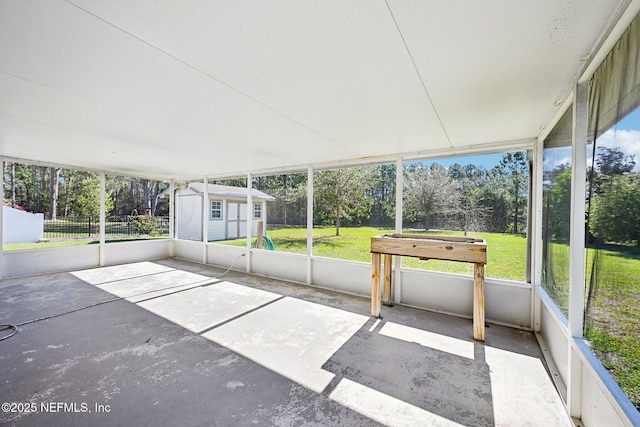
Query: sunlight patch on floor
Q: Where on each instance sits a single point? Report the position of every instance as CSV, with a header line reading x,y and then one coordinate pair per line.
x,y
154,285
383,408
291,337
523,394
201,308
100,275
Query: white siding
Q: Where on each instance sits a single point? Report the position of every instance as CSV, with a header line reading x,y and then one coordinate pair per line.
x,y
189,217
189,214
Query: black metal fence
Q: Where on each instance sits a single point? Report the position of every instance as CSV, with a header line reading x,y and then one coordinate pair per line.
x,y
115,226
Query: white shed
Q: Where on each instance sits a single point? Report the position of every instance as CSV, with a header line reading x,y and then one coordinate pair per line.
x,y
226,211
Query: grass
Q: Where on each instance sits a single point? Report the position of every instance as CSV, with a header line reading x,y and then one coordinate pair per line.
x,y
506,252
69,242
47,244
69,232
614,320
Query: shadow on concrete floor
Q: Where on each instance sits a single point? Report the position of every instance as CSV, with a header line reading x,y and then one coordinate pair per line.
x,y
98,359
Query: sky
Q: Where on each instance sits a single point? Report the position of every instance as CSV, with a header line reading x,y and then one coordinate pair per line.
x,y
488,161
631,122
625,135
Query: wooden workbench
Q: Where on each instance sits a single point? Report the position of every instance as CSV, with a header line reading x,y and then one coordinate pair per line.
x,y
426,247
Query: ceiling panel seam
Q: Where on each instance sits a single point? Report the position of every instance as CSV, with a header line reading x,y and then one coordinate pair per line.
x,y
415,67
216,79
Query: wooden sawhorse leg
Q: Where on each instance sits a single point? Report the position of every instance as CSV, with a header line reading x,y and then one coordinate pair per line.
x,y
375,284
386,290
478,302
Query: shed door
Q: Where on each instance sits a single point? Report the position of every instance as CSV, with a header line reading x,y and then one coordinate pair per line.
x,y
236,220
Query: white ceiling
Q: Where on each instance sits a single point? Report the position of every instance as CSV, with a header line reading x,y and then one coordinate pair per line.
x,y
184,89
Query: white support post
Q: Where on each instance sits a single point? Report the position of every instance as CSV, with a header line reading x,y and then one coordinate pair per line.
x,y
103,218
397,295
577,248
536,249
530,206
3,163
249,220
309,223
172,201
205,219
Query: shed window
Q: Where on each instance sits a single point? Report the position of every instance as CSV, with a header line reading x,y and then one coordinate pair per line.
x,y
216,209
257,210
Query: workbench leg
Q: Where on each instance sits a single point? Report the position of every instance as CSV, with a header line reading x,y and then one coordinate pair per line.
x,y
478,302
386,290
375,285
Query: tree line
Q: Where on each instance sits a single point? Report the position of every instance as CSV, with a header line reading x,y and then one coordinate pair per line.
x,y
468,197
58,192
612,200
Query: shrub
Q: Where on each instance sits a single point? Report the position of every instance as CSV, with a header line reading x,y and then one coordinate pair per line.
x,y
146,224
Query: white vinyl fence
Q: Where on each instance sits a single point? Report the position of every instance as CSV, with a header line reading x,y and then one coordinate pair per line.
x,y
21,227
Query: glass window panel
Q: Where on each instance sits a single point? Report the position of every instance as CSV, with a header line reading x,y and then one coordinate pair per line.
x,y
216,209
612,309
556,201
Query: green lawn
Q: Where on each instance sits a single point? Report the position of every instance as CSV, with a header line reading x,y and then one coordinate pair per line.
x,y
66,232
55,243
47,244
614,319
614,323
506,252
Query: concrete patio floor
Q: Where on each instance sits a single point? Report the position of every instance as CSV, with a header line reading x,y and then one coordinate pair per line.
x,y
168,343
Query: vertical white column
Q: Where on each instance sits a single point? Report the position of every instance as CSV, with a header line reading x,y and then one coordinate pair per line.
x,y
172,210
249,220
536,249
103,215
3,163
205,219
397,296
309,223
530,207
576,247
